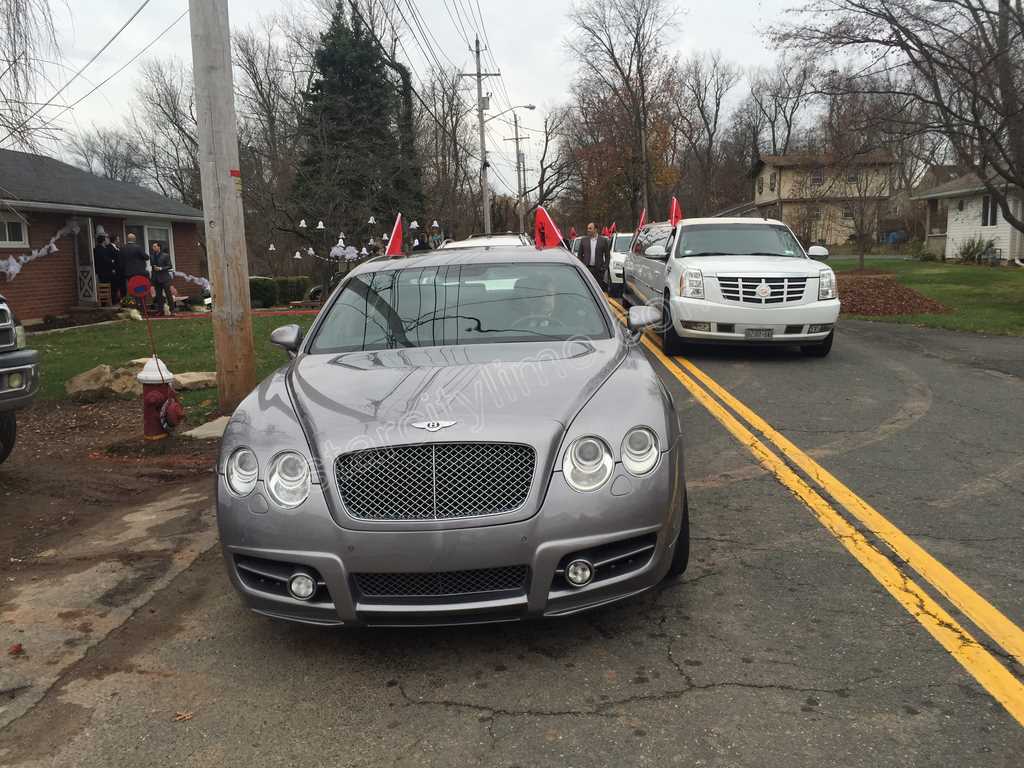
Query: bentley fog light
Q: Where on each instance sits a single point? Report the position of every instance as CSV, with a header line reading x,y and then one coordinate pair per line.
x,y
579,573
288,479
241,472
639,451
588,464
301,586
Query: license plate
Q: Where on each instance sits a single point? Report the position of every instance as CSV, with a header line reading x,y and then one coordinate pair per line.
x,y
759,333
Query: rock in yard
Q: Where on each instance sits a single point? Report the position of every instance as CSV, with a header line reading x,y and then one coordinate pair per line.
x,y
186,382
103,383
211,430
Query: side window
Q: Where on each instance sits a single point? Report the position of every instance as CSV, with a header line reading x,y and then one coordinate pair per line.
x,y
760,184
771,182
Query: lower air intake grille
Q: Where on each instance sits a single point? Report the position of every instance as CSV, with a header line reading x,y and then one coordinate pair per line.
x,y
443,583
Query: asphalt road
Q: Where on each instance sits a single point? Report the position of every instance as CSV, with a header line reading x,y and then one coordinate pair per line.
x,y
778,648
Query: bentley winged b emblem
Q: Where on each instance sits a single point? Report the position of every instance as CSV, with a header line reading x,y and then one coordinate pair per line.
x,y
433,426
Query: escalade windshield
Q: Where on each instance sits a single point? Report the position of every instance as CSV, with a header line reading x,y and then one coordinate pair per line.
x,y
460,304
737,240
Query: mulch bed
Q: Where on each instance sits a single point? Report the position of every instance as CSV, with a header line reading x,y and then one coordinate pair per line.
x,y
877,294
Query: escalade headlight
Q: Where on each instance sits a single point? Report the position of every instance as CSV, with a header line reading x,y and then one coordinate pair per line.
x,y
241,472
639,451
20,337
588,464
691,284
827,285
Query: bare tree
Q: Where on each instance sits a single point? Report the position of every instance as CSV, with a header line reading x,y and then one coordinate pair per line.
x,y
109,153
705,83
780,96
619,47
966,59
27,37
555,165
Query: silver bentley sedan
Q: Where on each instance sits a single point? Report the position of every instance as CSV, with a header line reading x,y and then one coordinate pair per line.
x,y
461,437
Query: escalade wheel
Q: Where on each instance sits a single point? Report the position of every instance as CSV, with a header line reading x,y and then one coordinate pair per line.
x,y
681,553
8,430
671,343
821,349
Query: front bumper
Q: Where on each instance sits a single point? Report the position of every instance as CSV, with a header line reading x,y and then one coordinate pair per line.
x,y
615,270
790,324
624,514
26,363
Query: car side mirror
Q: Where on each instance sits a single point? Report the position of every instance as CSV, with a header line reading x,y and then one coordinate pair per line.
x,y
656,252
643,317
818,252
288,338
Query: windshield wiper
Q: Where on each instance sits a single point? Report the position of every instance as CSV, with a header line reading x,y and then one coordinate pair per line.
x,y
765,253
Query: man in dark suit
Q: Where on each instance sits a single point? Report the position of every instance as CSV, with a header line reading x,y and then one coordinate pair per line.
x,y
133,262
162,276
594,251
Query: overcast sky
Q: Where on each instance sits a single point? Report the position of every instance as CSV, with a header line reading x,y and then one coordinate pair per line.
x,y
526,38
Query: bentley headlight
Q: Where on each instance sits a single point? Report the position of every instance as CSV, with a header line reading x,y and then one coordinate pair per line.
x,y
588,464
639,451
241,472
287,479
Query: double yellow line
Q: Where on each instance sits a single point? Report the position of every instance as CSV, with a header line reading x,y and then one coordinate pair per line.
x,y
979,662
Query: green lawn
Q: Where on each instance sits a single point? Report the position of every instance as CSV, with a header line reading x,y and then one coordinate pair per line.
x,y
184,345
983,299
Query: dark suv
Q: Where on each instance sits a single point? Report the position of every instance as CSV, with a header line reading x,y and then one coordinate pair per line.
x,y
19,376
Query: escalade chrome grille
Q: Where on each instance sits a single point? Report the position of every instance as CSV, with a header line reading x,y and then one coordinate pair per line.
x,y
440,481
748,290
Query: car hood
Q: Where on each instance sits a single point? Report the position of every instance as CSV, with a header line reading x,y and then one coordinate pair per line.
x,y
759,266
524,393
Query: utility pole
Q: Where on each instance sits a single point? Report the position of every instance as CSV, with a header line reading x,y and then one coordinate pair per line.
x,y
222,201
484,189
520,175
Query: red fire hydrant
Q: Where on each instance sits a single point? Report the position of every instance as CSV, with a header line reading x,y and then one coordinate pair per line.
x,y
161,409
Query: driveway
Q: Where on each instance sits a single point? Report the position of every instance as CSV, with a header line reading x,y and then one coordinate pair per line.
x,y
854,598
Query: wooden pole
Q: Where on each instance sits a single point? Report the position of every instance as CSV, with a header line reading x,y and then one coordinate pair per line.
x,y
222,200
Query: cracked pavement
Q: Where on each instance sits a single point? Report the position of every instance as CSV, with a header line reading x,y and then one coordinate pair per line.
x,y
775,649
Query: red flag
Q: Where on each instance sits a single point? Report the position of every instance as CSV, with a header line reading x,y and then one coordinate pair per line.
x,y
572,233
545,231
397,238
643,220
676,213
613,228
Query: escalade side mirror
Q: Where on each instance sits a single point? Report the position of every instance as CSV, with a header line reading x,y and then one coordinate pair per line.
x,y
656,252
288,338
818,252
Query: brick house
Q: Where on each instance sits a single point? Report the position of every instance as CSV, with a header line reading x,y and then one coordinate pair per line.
x,y
41,197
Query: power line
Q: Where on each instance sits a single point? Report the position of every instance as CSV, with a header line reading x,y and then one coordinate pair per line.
x,y
74,77
457,21
121,69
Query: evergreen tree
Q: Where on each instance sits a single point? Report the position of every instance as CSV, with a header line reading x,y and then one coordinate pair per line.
x,y
353,161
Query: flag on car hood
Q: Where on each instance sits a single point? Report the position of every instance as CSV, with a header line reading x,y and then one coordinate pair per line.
x,y
545,231
643,220
676,213
396,239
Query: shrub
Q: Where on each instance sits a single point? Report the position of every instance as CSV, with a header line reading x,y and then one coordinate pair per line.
x,y
971,251
262,291
292,288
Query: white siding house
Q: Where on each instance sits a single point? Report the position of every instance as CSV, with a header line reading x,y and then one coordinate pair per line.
x,y
972,214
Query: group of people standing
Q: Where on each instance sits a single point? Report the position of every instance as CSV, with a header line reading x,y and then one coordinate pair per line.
x,y
116,265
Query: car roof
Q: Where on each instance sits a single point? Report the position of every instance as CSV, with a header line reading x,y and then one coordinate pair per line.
x,y
730,220
479,241
504,254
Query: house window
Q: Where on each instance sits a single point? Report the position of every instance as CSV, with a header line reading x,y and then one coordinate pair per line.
x,y
816,213
847,211
13,233
989,212
817,177
147,234
771,182
760,184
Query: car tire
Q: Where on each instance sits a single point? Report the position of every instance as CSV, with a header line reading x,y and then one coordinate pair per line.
x,y
681,551
671,342
821,349
8,432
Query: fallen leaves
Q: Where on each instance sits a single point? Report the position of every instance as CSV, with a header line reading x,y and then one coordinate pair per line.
x,y
878,294
16,650
182,717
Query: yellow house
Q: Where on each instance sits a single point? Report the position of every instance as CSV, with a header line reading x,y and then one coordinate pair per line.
x,y
826,198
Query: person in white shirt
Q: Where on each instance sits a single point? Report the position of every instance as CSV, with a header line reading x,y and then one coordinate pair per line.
x,y
593,253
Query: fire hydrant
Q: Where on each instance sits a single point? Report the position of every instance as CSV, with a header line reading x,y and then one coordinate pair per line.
x,y
161,409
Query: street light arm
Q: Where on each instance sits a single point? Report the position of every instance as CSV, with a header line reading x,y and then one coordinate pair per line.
x,y
510,109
